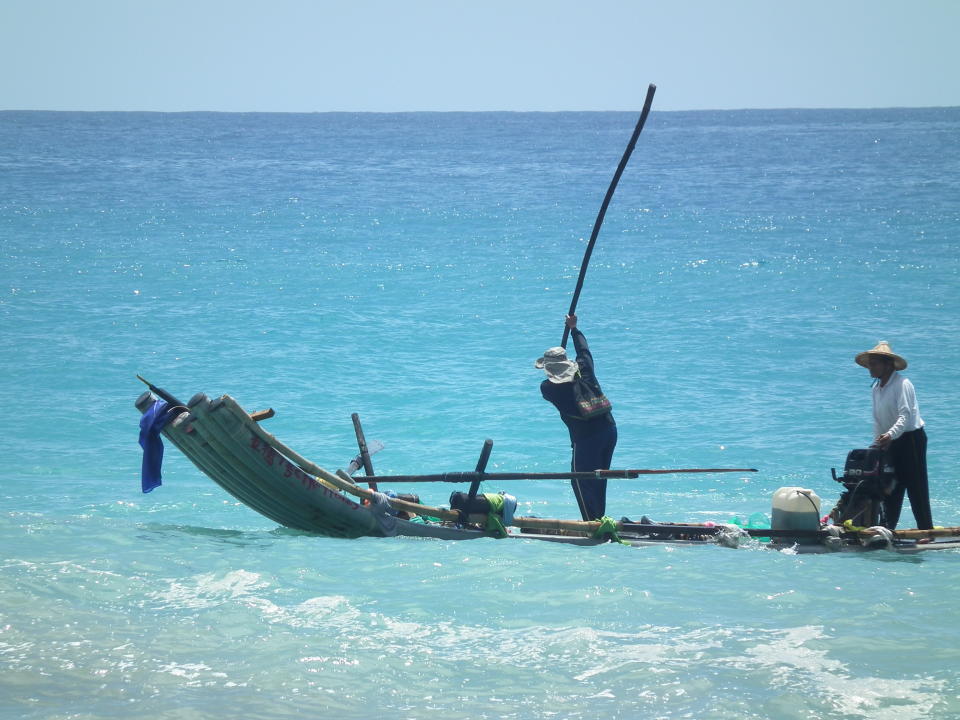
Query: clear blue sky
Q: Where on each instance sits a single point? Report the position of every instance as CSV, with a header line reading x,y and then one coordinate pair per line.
x,y
395,55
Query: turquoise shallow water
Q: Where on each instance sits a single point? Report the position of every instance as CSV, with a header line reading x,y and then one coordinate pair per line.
x,y
410,268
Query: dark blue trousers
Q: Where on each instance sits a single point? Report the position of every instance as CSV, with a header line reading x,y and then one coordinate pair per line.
x,y
593,453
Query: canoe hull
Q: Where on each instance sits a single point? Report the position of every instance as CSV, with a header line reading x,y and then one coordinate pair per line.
x,y
222,440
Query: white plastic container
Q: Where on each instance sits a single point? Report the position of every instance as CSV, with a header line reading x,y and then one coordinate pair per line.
x,y
795,508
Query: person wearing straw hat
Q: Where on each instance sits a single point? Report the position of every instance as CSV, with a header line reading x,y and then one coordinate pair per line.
x,y
899,429
572,388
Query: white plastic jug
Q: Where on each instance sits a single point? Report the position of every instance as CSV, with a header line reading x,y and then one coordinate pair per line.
x,y
795,508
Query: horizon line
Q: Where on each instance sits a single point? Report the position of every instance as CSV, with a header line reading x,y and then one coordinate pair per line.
x,y
413,112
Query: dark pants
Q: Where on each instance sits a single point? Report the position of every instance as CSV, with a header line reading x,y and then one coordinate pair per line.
x,y
593,453
909,456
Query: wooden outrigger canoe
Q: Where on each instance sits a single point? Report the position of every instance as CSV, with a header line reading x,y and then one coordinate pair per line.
x,y
229,445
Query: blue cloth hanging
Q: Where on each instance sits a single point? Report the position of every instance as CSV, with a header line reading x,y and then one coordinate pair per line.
x,y
153,421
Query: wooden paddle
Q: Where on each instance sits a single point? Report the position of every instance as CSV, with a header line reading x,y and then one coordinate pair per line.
x,y
606,201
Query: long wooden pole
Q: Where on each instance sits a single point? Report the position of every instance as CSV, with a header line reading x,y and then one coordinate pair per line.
x,y
606,201
159,392
470,477
344,482
591,526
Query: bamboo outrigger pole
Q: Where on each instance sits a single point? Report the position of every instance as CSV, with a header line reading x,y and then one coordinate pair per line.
x,y
606,201
476,477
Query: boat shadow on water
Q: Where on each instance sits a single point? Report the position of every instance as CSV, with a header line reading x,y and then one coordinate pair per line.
x,y
159,531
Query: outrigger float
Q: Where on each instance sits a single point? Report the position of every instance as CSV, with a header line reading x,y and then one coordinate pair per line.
x,y
229,445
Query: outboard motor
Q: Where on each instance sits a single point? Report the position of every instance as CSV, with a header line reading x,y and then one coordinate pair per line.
x,y
867,479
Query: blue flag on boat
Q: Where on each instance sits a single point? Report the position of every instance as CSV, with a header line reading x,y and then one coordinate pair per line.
x,y
152,422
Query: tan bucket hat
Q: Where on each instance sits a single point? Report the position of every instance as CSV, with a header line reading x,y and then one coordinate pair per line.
x,y
882,348
557,365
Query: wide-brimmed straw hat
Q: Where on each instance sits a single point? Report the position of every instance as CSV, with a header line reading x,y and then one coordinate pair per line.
x,y
557,365
882,349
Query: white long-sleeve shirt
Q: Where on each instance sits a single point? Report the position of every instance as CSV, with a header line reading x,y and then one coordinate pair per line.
x,y
895,409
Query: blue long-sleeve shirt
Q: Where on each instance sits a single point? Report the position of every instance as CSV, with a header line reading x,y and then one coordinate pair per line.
x,y
562,398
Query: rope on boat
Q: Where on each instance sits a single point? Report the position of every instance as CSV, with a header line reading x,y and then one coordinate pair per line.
x,y
881,537
833,541
380,508
729,536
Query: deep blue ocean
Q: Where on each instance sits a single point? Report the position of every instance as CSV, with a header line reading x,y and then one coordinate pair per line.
x,y
410,268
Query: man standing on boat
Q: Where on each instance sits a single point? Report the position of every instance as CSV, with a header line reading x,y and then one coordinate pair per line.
x,y
898,429
573,389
